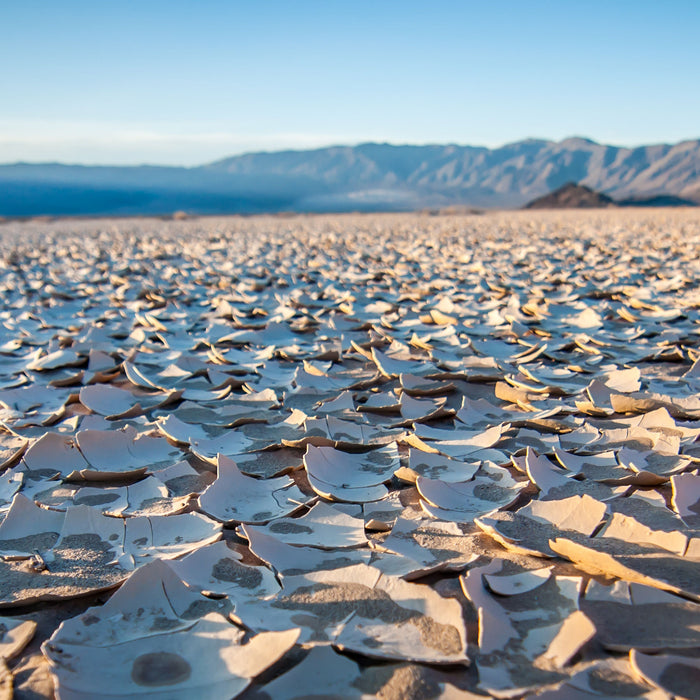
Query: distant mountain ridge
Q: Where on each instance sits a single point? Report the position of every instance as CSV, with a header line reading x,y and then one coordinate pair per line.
x,y
369,176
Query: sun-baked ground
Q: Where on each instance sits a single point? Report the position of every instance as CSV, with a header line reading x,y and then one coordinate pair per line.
x,y
352,456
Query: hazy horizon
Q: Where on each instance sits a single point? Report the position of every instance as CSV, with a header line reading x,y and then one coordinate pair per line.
x,y
344,145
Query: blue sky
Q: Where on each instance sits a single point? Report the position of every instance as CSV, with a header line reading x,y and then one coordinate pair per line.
x,y
185,82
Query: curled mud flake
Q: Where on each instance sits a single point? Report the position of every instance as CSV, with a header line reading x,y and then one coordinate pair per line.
x,y
328,565
230,570
444,638
334,603
611,680
160,668
152,503
200,608
261,516
96,499
371,643
288,528
186,485
313,623
162,624
42,542
680,678
489,492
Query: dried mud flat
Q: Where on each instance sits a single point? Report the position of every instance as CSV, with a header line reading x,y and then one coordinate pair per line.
x,y
356,456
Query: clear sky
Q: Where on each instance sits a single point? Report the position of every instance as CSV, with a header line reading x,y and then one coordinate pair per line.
x,y
187,82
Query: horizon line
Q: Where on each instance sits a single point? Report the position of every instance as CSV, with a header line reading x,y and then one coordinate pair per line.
x,y
430,144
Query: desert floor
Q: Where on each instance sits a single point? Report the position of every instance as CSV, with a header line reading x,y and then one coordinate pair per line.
x,y
353,456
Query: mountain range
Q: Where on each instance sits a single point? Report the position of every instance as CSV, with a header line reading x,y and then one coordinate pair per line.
x,y
367,177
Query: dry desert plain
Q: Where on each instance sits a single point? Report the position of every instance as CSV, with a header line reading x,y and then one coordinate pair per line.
x,y
394,456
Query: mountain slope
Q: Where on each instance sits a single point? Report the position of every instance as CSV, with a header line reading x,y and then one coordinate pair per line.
x,y
370,176
572,196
